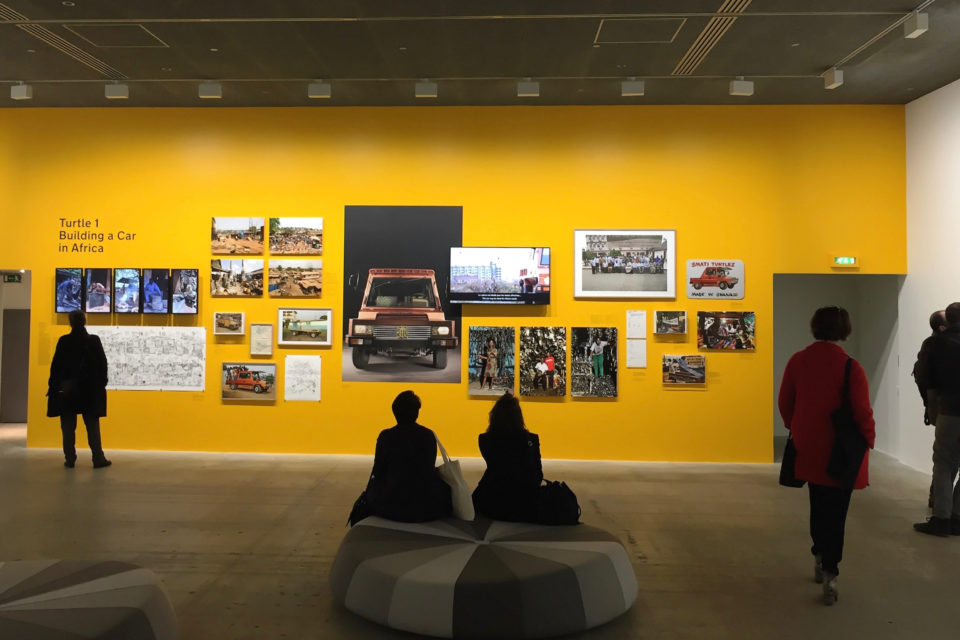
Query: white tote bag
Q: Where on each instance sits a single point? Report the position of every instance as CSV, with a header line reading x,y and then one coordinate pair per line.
x,y
459,491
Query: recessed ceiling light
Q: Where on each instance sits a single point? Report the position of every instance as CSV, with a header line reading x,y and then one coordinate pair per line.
x,y
31,50
795,44
166,68
596,46
214,49
67,3
402,48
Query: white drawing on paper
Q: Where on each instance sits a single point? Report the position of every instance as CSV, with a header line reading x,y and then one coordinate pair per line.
x,y
154,358
301,380
636,324
261,339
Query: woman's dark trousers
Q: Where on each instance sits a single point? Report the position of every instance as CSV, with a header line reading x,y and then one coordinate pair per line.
x,y
828,517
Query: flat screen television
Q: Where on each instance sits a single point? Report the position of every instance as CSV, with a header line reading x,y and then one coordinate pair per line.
x,y
98,290
126,290
69,290
500,275
184,291
156,291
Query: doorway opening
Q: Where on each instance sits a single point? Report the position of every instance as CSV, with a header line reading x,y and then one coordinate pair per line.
x,y
14,346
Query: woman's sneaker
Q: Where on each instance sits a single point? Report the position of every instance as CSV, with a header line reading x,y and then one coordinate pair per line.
x,y
818,569
830,594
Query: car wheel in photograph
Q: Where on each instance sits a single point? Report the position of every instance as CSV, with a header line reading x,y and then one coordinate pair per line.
x,y
440,359
258,389
697,286
722,285
361,358
233,387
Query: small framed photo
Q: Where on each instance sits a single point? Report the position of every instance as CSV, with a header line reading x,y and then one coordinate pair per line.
x,y
726,330
625,263
248,381
304,326
261,339
236,278
228,323
296,236
669,322
686,369
295,278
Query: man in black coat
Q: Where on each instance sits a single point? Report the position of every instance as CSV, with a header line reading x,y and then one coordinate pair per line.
x,y
404,485
78,385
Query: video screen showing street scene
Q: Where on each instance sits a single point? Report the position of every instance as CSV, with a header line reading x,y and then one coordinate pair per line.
x,y
236,236
296,236
98,286
156,291
500,275
126,290
295,278
69,290
184,284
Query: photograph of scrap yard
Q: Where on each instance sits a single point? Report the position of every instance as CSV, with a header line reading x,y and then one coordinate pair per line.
x,y
295,278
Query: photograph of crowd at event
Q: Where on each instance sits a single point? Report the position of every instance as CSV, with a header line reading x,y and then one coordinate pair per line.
x,y
492,352
669,322
726,330
543,352
295,278
593,367
236,278
296,236
236,235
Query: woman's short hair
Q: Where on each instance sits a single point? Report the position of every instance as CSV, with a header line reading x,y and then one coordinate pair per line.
x,y
506,416
406,407
77,319
831,323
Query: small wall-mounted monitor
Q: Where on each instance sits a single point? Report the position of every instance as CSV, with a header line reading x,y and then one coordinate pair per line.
x,y
126,290
98,289
184,291
500,275
156,291
69,290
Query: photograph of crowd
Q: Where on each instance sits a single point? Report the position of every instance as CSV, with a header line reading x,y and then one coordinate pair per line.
x,y
543,352
236,235
99,284
669,322
311,327
228,323
691,369
156,291
184,290
500,275
593,362
236,278
492,351
296,236
126,290
295,278
625,263
726,330
248,381
69,290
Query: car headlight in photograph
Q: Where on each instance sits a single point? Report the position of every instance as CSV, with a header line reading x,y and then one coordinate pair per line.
x,y
363,329
441,331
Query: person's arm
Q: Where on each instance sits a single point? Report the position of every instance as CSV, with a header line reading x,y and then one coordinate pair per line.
x,y
98,357
788,393
922,370
56,365
860,402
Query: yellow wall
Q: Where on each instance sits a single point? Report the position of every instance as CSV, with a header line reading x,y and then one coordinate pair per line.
x,y
782,188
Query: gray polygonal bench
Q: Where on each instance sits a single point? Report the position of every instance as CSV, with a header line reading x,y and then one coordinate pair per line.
x,y
42,599
485,579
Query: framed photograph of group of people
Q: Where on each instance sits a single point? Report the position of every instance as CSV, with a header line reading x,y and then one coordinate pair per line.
x,y
625,263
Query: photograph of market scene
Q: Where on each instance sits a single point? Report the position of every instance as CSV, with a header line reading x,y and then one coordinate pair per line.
x,y
240,278
296,236
295,278
237,235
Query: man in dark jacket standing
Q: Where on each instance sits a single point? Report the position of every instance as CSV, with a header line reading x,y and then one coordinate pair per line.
x,y
939,372
938,322
78,385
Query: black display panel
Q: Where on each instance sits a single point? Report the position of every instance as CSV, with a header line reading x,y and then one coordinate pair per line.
x,y
500,275
98,288
126,290
68,290
156,291
184,291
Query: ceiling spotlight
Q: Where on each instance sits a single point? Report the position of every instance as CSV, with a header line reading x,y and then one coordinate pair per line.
x,y
21,92
319,89
741,87
116,91
425,89
210,90
528,88
833,78
916,25
631,87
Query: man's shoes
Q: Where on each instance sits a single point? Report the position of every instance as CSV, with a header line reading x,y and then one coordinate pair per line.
x,y
70,464
818,569
934,526
955,526
830,594
100,464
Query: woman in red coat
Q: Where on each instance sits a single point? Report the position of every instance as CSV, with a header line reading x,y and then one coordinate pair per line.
x,y
811,389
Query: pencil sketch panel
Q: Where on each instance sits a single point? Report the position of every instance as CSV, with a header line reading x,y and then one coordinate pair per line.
x,y
154,358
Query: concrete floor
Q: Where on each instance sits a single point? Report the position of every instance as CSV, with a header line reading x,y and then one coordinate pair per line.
x,y
244,542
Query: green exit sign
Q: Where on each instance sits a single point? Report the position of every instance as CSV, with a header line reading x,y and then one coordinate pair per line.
x,y
844,261
11,277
